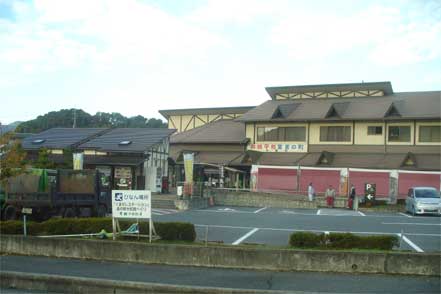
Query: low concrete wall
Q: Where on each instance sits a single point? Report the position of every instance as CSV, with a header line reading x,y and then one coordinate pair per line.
x,y
59,284
192,203
258,199
226,257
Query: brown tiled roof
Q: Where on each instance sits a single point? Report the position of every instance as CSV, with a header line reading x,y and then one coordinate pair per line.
x,y
386,87
211,157
275,158
214,110
410,105
221,131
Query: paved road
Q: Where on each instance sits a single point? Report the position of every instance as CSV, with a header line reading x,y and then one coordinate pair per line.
x,y
229,278
235,225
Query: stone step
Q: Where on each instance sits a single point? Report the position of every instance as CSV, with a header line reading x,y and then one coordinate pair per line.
x,y
163,203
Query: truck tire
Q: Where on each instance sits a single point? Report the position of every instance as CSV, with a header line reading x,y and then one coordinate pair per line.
x,y
101,211
10,213
69,213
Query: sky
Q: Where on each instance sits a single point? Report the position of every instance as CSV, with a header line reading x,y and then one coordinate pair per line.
x,y
139,56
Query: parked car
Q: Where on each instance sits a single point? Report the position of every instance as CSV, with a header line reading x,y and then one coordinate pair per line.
x,y
423,200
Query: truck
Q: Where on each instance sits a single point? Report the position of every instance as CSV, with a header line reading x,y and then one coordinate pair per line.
x,y
63,193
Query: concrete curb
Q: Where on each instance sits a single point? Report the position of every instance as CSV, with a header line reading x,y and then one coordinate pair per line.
x,y
425,264
61,284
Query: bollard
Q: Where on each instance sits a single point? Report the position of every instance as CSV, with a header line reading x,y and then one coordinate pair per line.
x,y
206,235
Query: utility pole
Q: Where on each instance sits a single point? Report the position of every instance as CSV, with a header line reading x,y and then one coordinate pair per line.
x,y
74,119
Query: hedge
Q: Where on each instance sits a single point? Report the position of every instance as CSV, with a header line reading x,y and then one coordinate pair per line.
x,y
342,241
66,226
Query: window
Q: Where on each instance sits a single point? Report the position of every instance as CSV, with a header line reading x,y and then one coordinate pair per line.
x,y
295,134
374,130
281,134
335,134
430,134
399,134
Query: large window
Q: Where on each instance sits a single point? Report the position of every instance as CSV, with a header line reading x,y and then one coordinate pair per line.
x,y
335,134
430,134
281,134
375,130
399,134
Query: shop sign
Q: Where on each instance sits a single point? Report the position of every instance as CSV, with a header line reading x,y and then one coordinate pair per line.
x,y
277,147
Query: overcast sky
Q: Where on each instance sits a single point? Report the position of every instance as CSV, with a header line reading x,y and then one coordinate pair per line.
x,y
136,57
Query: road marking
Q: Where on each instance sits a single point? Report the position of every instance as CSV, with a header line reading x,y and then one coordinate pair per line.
x,y
319,211
157,211
259,210
312,230
361,213
406,215
414,224
299,213
238,241
411,244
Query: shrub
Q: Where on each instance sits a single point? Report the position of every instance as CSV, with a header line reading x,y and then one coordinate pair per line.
x,y
306,240
385,242
67,226
342,241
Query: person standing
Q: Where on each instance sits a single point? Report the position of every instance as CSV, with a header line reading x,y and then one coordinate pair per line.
x,y
311,192
330,195
351,197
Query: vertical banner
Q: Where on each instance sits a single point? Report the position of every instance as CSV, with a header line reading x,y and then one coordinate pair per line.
x,y
78,160
188,167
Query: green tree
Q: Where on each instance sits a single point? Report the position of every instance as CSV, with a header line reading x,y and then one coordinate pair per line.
x,y
43,160
12,158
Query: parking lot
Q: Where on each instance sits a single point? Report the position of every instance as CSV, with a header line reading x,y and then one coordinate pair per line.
x,y
272,226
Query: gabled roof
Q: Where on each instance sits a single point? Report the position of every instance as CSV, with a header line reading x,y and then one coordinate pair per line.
x,y
386,87
337,110
284,110
221,131
411,105
135,140
60,138
214,110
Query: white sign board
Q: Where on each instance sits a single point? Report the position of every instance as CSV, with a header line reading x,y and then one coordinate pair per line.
x,y
131,204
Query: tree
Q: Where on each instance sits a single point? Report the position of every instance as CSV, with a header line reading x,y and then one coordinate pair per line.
x,y
43,160
12,158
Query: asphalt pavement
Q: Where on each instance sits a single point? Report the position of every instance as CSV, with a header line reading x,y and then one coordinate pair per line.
x,y
272,226
225,278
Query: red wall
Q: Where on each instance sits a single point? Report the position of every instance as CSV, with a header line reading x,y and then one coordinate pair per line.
x,y
320,179
407,180
379,178
277,179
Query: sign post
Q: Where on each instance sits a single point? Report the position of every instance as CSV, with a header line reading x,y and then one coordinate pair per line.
x,y
25,211
131,204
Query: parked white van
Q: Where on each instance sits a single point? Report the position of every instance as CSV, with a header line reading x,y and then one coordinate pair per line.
x,y
423,200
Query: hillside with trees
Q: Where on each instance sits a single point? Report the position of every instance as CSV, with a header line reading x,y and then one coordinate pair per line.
x,y
67,118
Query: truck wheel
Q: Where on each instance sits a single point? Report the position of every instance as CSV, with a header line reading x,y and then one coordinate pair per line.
x,y
101,211
69,213
10,213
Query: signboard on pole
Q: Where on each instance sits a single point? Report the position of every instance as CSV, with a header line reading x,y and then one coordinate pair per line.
x,y
131,204
135,204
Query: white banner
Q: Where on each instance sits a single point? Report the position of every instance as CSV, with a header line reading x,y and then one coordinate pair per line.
x,y
131,204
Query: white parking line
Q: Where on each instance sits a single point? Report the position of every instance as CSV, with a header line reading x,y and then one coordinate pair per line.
x,y
316,231
406,215
411,244
319,211
413,224
361,213
259,210
238,241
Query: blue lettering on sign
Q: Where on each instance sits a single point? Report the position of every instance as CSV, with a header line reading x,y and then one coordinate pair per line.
x,y
118,196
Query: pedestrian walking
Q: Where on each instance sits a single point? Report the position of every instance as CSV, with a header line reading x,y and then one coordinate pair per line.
x,y
351,197
330,196
311,192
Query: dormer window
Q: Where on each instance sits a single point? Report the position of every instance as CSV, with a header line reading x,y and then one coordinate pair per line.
x,y
125,143
38,141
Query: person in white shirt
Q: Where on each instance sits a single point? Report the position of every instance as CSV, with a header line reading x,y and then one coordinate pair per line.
x,y
311,192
